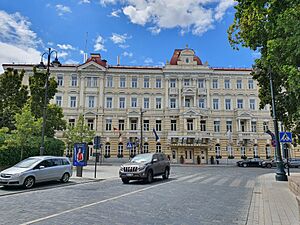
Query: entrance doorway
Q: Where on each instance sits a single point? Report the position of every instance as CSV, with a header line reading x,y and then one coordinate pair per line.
x,y
189,156
203,157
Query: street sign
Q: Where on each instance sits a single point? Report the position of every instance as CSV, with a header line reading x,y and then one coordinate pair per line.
x,y
97,142
285,137
129,145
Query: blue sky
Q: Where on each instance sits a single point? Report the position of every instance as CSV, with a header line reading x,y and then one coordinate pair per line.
x,y
141,32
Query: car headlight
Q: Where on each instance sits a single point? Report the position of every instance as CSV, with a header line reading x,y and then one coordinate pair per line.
x,y
142,167
122,168
16,175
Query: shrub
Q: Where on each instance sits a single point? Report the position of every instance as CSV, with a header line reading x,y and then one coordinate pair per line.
x,y
230,157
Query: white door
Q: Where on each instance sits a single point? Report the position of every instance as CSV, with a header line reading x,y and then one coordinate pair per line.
x,y
203,157
189,156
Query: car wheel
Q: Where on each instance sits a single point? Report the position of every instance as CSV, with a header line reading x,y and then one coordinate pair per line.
x,y
149,176
245,165
125,181
166,174
65,178
29,182
269,166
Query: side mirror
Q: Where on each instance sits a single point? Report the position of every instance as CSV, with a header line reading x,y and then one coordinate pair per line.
x,y
154,160
42,167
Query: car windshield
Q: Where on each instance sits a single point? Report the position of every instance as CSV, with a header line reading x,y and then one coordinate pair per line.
x,y
142,158
27,163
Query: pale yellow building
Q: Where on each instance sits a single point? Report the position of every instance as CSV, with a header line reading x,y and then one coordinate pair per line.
x,y
197,111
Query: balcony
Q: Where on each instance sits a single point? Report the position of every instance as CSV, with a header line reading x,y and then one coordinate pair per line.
x,y
189,91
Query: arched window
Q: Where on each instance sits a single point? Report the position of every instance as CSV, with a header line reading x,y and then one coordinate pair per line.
x,y
243,151
218,151
158,147
255,151
146,147
107,150
230,150
120,150
268,151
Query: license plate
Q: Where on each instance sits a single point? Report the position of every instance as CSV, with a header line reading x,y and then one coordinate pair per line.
x,y
129,174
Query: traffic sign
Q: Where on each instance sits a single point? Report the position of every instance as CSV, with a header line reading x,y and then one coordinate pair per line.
x,y
285,137
129,145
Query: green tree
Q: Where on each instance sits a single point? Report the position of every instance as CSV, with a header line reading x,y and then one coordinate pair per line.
x,y
54,115
13,96
272,28
78,133
27,128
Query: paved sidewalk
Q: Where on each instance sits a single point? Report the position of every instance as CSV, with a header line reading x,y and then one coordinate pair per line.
x,y
273,203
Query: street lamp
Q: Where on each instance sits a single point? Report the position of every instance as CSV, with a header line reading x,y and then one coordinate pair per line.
x,y
55,63
141,141
280,173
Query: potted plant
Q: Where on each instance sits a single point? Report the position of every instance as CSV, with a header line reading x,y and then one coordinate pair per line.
x,y
230,157
120,155
106,156
243,157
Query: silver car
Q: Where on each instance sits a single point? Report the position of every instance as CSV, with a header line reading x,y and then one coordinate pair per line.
x,y
37,169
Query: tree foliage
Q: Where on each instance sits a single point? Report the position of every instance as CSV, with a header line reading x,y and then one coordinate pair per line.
x,y
78,133
272,28
13,96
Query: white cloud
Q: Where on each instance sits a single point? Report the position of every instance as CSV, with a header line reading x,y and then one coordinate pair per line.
x,y
99,44
196,16
71,61
65,46
127,54
61,9
124,46
115,13
84,2
62,55
119,38
148,61
18,43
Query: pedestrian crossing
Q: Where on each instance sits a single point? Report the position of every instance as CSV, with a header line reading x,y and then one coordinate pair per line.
x,y
202,178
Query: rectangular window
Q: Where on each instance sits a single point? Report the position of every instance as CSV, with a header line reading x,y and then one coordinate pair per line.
x,y
109,102
240,103
71,122
146,82
74,81
122,103
201,83
172,83
250,84
229,126
109,81
122,82
239,84
133,102
253,126
217,126
215,84
158,103
91,101
252,104
186,82
158,83
227,84
158,125
92,81
134,82
133,124
146,125
108,124
173,125
203,125
172,103
266,126
120,149
60,80
228,104
121,125
187,102
73,101
215,104
190,125
146,103
58,100
90,123
202,103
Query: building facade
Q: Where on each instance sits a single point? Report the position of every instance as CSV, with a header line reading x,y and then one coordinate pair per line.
x,y
188,110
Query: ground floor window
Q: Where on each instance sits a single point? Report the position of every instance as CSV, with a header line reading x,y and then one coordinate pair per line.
x,y
158,147
268,151
255,151
120,150
146,148
107,150
243,151
218,151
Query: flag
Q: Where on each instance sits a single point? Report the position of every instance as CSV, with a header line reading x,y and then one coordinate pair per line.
x,y
156,136
273,137
118,131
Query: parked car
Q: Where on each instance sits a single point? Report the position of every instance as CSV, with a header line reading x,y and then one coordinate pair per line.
x,y
292,162
269,163
145,167
249,162
37,169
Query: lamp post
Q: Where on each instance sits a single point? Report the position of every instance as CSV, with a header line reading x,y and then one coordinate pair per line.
x,y
42,65
141,141
280,173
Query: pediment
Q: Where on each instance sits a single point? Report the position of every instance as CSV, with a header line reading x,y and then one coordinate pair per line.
x,y
91,66
245,115
191,113
90,113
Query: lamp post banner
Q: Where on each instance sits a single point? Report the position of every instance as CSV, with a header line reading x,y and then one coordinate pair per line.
x,y
80,154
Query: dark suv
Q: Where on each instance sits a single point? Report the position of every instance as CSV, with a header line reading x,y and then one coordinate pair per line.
x,y
145,167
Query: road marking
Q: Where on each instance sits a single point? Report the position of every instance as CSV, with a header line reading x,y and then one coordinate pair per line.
x,y
99,202
250,184
236,182
221,181
187,177
208,180
195,179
